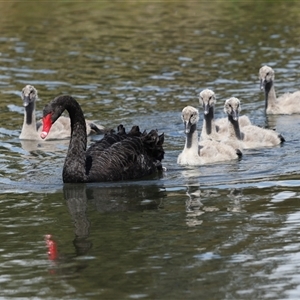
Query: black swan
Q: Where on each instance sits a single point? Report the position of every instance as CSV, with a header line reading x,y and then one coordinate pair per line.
x,y
31,129
286,104
118,156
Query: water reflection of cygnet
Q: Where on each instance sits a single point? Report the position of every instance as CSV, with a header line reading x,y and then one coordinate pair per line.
x,y
191,173
194,206
217,172
235,195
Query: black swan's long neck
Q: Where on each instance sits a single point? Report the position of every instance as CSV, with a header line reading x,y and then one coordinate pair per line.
x,y
234,128
75,163
270,94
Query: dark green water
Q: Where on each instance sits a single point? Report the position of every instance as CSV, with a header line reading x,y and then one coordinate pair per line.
x,y
223,231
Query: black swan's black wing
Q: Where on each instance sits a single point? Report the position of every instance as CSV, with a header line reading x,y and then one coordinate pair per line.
x,y
111,138
131,158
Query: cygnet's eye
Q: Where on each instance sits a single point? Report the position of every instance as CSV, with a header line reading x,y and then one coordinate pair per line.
x,y
268,73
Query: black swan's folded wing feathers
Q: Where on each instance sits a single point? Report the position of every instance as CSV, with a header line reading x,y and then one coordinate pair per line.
x,y
131,158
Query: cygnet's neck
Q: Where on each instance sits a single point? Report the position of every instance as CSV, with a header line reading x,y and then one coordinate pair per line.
x,y
209,127
234,128
191,142
270,95
29,130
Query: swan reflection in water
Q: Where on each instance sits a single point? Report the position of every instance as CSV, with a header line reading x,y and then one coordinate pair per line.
x,y
113,199
198,201
106,199
195,207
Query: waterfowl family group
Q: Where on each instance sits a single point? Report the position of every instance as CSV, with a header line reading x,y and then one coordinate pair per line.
x,y
123,156
235,132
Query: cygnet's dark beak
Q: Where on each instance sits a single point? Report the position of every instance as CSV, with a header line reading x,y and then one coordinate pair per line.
x,y
206,108
262,84
26,100
235,114
187,127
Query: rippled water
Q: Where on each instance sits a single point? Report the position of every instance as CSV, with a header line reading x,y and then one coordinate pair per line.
x,y
222,231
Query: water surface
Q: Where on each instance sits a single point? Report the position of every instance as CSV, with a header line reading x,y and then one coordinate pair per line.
x,y
222,231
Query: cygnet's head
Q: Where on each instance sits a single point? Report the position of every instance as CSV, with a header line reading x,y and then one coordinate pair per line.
x,y
190,117
29,95
266,75
207,99
232,108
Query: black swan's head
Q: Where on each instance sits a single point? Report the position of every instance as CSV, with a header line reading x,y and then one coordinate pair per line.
x,y
232,108
207,99
53,110
190,118
266,77
29,95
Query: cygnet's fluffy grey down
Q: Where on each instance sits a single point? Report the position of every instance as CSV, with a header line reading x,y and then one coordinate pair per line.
x,y
215,129
286,104
208,151
250,136
31,129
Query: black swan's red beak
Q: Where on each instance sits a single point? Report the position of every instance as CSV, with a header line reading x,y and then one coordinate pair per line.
x,y
47,123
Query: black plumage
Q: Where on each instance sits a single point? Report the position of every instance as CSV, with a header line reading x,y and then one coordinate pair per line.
x,y
118,156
